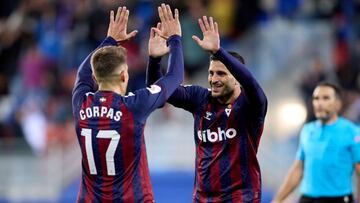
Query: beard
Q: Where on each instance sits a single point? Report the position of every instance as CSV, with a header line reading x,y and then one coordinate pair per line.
x,y
224,95
324,116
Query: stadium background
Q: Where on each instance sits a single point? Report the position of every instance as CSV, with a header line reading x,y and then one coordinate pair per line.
x,y
289,45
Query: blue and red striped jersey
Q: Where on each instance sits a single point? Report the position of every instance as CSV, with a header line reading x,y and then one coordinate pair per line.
x,y
226,136
110,131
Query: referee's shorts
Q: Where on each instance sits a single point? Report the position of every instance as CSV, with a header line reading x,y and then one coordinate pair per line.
x,y
339,199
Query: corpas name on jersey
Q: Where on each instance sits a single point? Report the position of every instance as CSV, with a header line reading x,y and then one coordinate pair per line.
x,y
97,111
220,135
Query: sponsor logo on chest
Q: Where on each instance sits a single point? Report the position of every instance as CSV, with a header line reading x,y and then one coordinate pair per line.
x,y
216,136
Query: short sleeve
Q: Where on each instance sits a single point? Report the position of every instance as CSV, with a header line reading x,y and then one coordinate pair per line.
x,y
355,145
300,154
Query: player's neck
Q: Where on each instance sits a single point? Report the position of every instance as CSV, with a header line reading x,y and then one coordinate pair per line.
x,y
117,88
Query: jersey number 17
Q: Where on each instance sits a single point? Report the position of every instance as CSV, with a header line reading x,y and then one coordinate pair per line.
x,y
110,152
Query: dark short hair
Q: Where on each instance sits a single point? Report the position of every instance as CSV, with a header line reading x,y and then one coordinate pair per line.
x,y
106,60
232,53
333,85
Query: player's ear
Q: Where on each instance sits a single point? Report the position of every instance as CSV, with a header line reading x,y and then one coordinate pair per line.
x,y
94,78
122,76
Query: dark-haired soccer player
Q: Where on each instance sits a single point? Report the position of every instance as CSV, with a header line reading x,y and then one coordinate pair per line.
x,y
110,124
228,121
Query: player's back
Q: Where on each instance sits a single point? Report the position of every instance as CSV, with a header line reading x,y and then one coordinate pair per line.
x,y
114,159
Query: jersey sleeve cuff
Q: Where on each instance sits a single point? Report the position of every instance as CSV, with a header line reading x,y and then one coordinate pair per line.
x,y
110,41
173,39
220,53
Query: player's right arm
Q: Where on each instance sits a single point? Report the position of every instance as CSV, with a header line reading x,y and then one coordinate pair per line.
x,y
117,32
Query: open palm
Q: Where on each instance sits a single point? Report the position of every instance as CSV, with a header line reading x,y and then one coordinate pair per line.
x,y
118,25
170,23
157,44
211,38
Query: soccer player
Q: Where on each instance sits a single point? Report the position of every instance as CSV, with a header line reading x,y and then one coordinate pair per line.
x,y
110,124
228,121
328,153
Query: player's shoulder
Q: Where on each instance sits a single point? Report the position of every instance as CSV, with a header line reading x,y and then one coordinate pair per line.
x,y
308,129
129,96
89,94
142,96
349,125
101,97
312,125
152,90
345,122
79,97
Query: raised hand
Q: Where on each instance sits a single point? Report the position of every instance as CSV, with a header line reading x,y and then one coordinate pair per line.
x,y
118,25
211,38
170,23
157,45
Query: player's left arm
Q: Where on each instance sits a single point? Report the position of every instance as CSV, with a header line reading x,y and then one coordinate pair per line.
x,y
243,75
117,32
211,43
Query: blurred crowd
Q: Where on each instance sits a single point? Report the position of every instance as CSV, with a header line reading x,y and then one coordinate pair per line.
x,y
42,43
344,17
